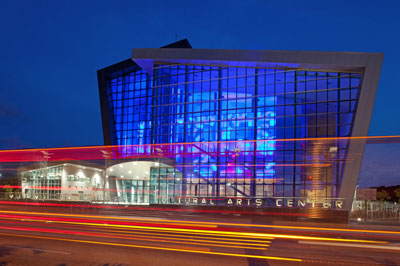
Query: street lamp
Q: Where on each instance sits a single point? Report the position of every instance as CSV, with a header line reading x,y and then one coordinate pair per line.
x,y
106,155
46,156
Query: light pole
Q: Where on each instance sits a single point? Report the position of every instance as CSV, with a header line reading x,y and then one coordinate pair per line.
x,y
237,151
106,155
46,156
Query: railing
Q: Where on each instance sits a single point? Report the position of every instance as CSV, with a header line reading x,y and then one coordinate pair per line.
x,y
98,197
375,210
94,197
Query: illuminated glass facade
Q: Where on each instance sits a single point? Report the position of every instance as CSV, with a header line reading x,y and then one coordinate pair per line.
x,y
45,181
247,128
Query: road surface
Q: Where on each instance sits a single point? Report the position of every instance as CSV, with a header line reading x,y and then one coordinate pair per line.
x,y
34,235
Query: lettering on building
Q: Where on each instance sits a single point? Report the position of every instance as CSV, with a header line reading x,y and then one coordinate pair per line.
x,y
262,202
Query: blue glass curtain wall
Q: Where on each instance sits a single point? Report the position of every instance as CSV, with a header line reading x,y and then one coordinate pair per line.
x,y
129,99
199,104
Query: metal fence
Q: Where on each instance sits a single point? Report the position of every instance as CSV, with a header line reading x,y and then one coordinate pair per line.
x,y
375,210
94,197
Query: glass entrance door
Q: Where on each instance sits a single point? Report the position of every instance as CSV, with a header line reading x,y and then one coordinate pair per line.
x,y
166,185
135,191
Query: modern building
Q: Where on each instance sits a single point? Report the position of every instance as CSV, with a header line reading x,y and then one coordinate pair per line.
x,y
66,181
128,182
239,127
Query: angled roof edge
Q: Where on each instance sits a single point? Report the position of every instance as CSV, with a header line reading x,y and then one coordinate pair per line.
x,y
184,43
117,69
148,65
128,65
334,61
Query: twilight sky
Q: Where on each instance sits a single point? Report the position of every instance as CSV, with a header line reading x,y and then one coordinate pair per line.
x,y
50,51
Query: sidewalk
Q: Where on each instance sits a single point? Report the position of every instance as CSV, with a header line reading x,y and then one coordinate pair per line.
x,y
382,224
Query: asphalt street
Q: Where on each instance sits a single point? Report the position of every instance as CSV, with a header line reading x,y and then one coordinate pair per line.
x,y
48,236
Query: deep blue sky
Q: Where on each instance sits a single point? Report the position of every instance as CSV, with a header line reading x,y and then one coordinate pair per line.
x,y
50,51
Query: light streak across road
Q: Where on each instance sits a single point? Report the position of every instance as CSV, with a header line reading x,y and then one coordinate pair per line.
x,y
159,248
244,240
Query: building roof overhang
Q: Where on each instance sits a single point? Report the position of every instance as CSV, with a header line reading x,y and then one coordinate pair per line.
x,y
308,60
